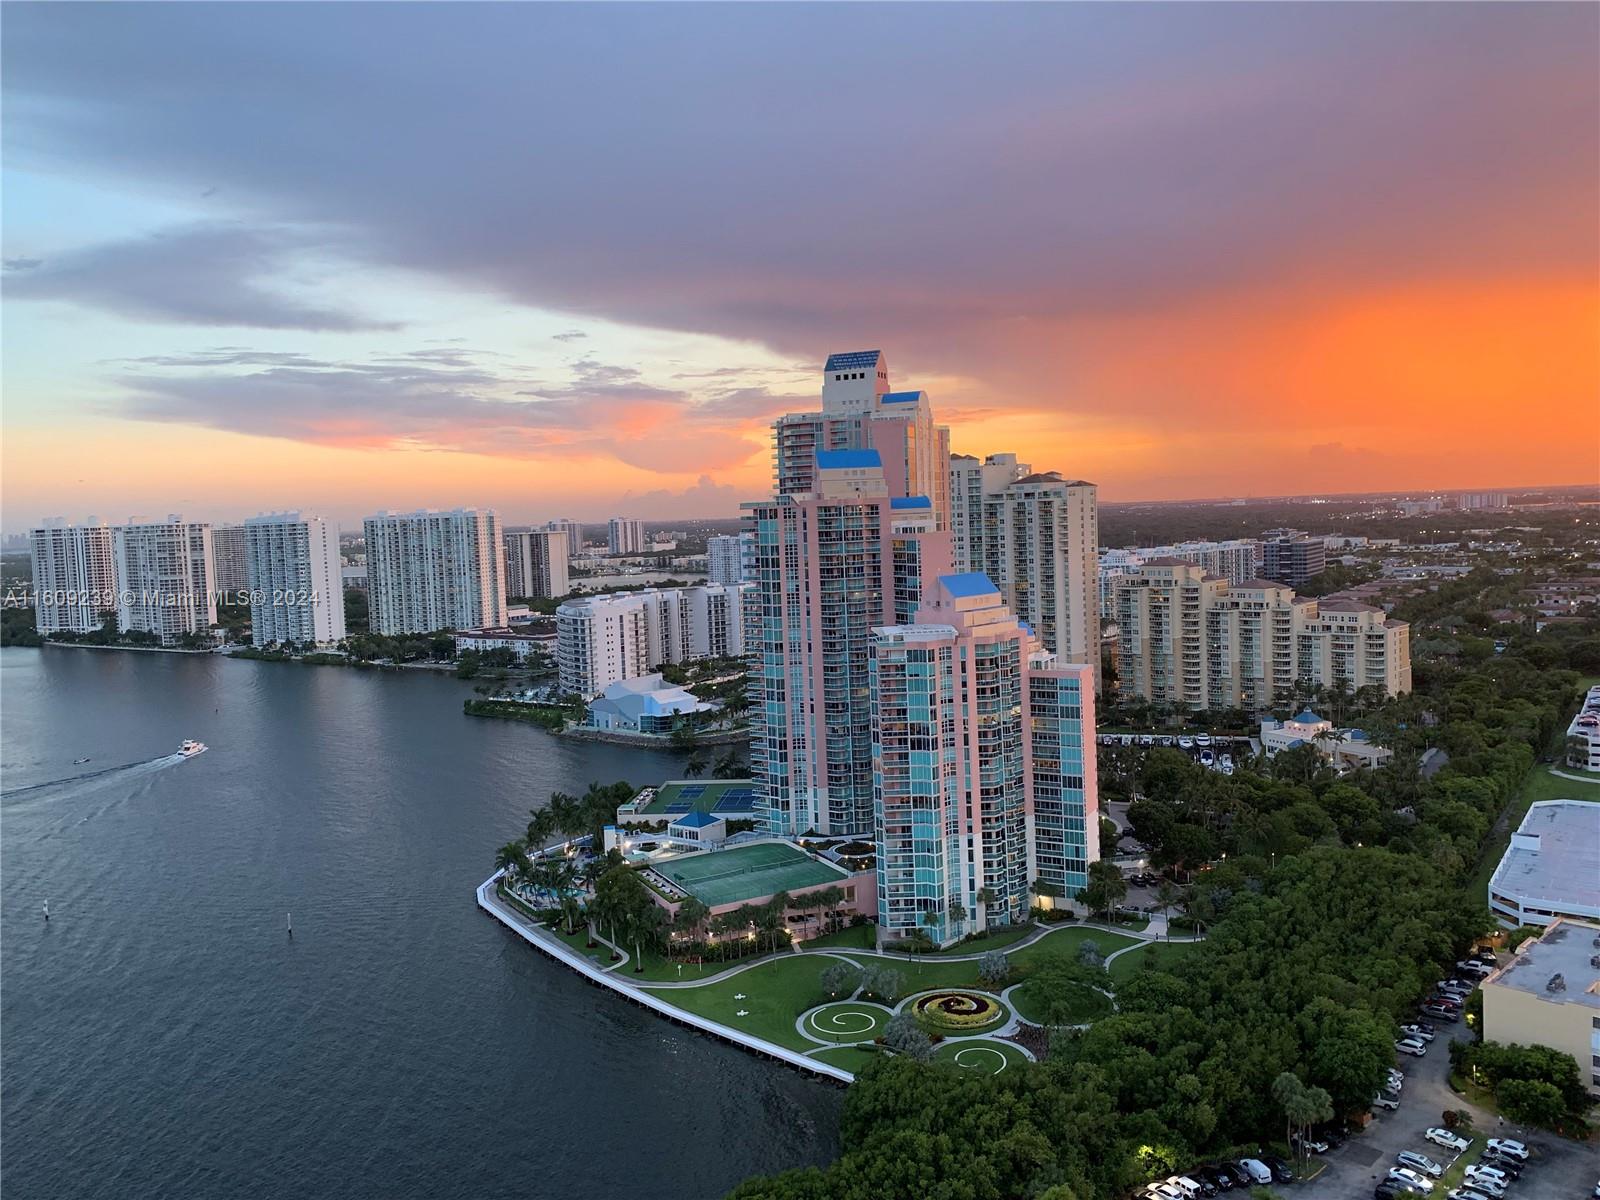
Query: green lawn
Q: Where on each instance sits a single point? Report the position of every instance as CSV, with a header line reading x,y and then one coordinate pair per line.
x,y
989,1056
1157,954
923,972
999,939
852,937
1067,939
1087,1004
851,1058
847,1021
775,993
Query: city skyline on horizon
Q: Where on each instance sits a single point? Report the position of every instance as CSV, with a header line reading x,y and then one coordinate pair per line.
x,y
1164,266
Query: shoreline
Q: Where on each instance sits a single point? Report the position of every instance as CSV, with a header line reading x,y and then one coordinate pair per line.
x,y
492,905
102,646
650,741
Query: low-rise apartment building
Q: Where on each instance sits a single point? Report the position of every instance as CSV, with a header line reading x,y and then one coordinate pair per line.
x,y
1549,995
1551,869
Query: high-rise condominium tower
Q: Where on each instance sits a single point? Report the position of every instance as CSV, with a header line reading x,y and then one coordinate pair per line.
x,y
730,558
831,563
433,570
166,584
293,579
230,561
574,534
1036,536
859,412
74,576
983,754
601,640
625,535
536,564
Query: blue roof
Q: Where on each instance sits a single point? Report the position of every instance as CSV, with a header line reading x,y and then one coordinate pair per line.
x,y
900,397
970,583
1297,742
1358,735
911,502
1308,718
832,460
696,820
854,360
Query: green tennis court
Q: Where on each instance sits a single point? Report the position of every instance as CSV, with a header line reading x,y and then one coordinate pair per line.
x,y
748,872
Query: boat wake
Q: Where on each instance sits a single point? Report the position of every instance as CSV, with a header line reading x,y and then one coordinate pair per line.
x,y
69,785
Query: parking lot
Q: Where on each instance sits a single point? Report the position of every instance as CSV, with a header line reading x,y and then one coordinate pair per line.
x,y
1559,1169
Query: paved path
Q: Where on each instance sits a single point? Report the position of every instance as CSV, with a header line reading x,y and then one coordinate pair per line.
x,y
1592,780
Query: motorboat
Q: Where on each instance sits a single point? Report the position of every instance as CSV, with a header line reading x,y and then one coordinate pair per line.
x,y
78,762
190,748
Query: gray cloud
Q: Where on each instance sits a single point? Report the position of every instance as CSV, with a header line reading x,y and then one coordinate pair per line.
x,y
206,274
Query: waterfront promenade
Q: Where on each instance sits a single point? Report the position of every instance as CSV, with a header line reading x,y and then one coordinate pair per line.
x,y
805,1055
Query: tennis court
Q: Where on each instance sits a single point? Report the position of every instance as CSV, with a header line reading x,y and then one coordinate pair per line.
x,y
748,872
724,797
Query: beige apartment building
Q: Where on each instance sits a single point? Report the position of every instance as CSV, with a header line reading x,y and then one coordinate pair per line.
x,y
1191,638
1549,995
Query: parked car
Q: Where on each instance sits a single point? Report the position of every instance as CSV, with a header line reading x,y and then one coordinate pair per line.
x,y
1146,739
1202,739
1456,987
1240,1177
1164,739
1440,1136
1480,1173
1280,1169
1509,1146
1189,1187
1503,1163
1387,1103
1225,759
1419,1162
1413,1046
1424,1032
1186,742
1415,1180
1441,1012
1464,1193
1258,1171
1207,758
1489,1186
1394,1189
1473,967
1219,1179
1312,1144
1394,1086
1487,956
1165,1191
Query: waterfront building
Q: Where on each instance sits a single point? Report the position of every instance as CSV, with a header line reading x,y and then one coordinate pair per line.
x,y
624,635
520,642
645,704
232,561
1551,868
1036,536
859,412
165,581
625,535
294,580
983,759
1345,749
1292,557
1548,994
536,564
831,564
730,558
74,575
431,570
1190,638
573,532
1583,734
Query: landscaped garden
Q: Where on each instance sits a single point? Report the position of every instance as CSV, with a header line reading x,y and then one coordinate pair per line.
x,y
987,1056
1158,955
1071,1004
846,1021
958,1013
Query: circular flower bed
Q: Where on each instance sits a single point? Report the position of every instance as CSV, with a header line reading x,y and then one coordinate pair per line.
x,y
960,1012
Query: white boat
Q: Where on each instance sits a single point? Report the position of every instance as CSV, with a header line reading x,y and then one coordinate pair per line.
x,y
190,748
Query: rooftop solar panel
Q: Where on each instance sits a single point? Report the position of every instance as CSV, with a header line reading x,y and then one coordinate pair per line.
x,y
853,360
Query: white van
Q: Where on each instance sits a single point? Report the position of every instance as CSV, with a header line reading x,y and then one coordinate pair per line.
x,y
1258,1171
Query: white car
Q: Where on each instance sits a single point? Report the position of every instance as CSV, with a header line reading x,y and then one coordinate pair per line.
x,y
1186,1185
1202,739
1166,1191
1225,759
1419,1162
1393,1086
1462,1193
1510,1147
1440,1136
1493,1188
1387,1103
1472,966
1412,1179
1418,1031
1456,987
1413,1046
1186,742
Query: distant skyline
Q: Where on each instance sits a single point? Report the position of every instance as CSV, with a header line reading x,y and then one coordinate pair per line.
x,y
572,260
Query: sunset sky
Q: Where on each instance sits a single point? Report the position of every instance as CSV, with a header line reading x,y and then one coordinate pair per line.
x,y
571,260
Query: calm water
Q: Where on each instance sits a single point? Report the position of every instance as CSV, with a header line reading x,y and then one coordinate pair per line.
x,y
164,1037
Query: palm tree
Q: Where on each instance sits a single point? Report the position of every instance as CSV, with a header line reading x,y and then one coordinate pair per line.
x,y
695,767
1166,897
510,858
958,913
986,897
930,920
728,766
